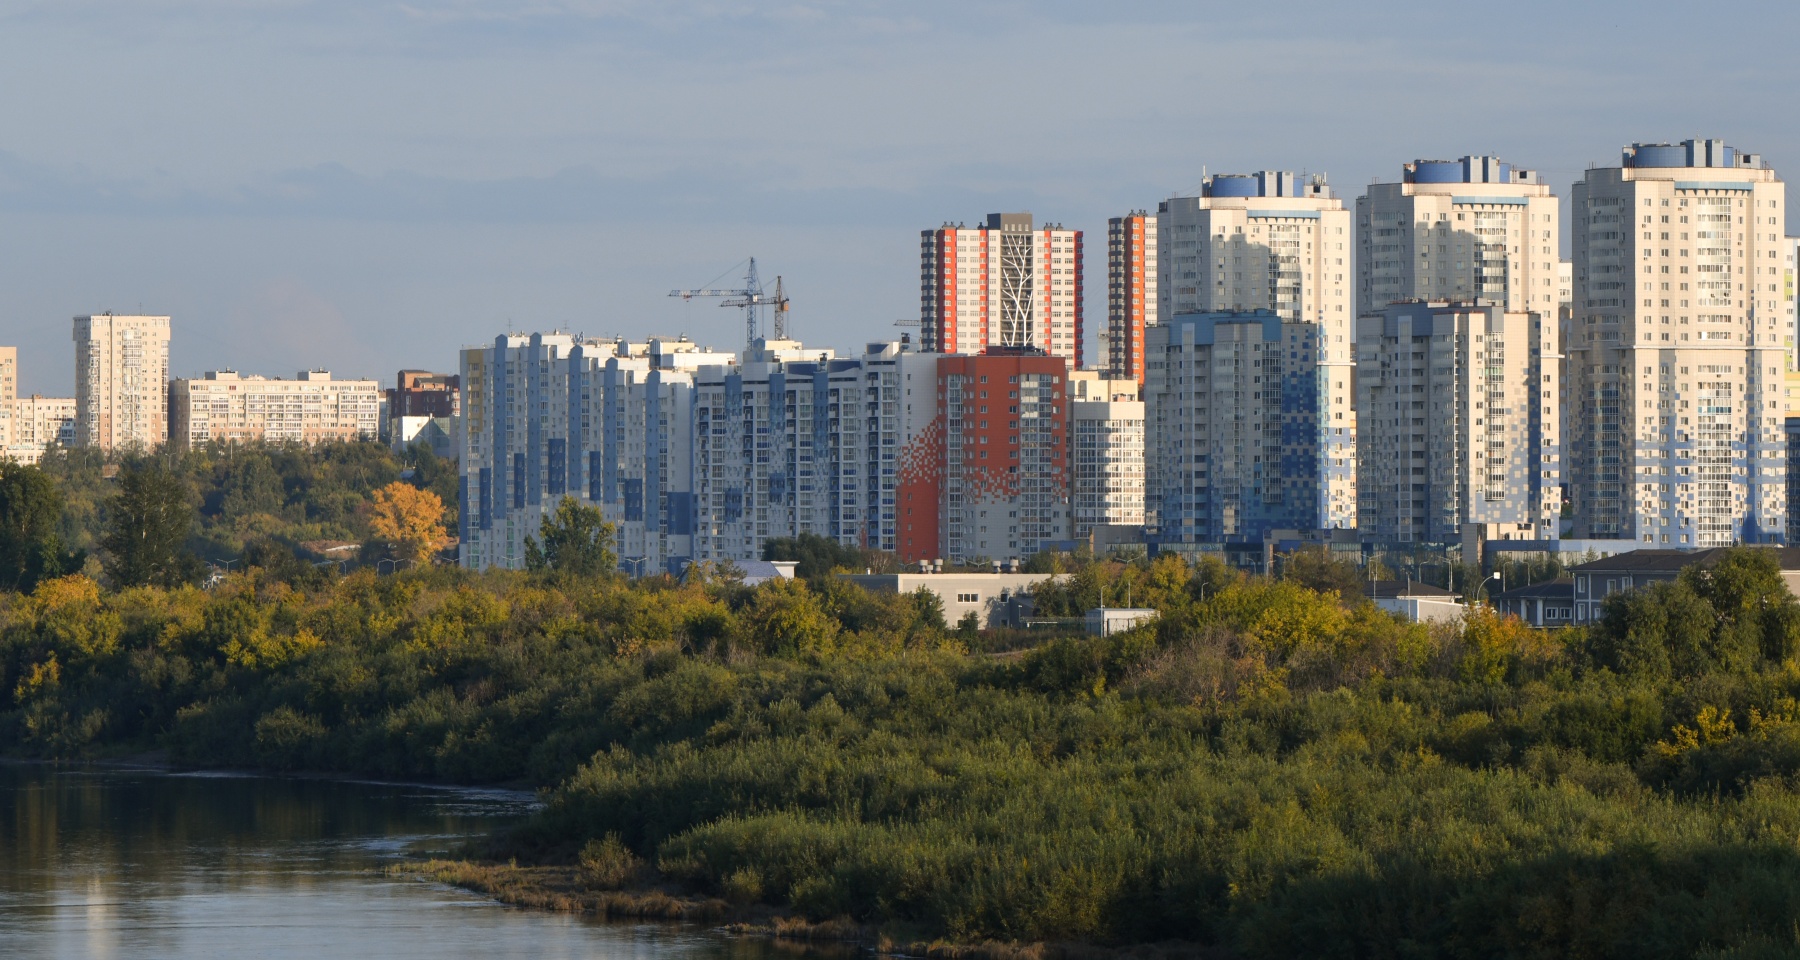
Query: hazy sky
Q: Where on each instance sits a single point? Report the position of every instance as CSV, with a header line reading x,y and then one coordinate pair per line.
x,y
369,185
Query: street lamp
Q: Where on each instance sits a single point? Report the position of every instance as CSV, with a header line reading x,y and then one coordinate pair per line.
x,y
1496,575
227,563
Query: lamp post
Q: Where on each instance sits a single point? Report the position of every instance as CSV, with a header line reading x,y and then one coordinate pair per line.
x,y
1496,575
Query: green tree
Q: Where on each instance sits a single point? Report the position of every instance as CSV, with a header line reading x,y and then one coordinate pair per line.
x,y
31,546
930,609
784,617
816,557
1316,569
147,529
437,474
575,541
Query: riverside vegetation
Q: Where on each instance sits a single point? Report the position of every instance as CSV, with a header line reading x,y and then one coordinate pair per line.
x,y
1271,769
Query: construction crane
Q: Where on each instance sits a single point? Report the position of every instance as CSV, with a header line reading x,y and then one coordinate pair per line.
x,y
750,296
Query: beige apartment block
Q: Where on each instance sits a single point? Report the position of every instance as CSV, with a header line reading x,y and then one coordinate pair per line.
x,y
1676,348
9,391
227,406
1471,230
39,423
1274,241
1106,436
1455,404
121,378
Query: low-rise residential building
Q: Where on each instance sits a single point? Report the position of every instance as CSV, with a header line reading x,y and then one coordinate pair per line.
x,y
1599,579
226,406
1543,605
1415,601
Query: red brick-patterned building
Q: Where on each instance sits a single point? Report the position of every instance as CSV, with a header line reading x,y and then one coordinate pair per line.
x,y
990,477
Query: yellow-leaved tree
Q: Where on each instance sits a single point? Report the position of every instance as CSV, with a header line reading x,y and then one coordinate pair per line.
x,y
410,519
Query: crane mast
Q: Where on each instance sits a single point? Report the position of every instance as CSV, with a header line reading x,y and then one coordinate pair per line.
x,y
750,296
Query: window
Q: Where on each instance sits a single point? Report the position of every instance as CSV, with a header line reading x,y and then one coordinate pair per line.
x,y
968,598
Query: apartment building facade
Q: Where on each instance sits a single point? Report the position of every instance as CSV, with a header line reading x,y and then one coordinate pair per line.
x,y
1130,292
1457,439
121,381
1276,242
39,423
1008,283
230,407
1676,348
1235,440
1106,453
1474,230
552,415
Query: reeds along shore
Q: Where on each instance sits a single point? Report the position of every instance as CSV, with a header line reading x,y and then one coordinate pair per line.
x,y
1271,769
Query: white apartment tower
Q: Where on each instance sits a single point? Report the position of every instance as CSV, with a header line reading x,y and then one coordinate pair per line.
x,y
121,382
1008,283
1130,292
1470,230
795,440
1456,411
1106,462
1676,348
1275,242
1234,447
549,415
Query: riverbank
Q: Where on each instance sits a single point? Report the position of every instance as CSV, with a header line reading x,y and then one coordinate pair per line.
x,y
562,889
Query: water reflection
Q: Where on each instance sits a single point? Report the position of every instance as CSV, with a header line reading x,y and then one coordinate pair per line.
x,y
141,864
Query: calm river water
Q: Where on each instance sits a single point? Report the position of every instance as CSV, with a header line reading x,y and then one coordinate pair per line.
x,y
138,864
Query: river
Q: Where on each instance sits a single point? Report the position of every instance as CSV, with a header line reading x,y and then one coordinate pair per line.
x,y
127,864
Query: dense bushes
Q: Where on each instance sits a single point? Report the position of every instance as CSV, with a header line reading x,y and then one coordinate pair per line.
x,y
1268,768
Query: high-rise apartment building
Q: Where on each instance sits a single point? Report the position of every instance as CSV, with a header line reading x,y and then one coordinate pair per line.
x,y
230,407
1457,425
1106,458
549,415
1276,242
1469,230
1004,456
1236,444
1675,348
9,392
641,460
1008,284
1130,292
796,441
121,381
693,455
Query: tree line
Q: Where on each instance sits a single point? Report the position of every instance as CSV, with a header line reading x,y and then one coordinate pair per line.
x,y
1272,768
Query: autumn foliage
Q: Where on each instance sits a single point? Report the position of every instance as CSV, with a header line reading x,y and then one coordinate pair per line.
x,y
411,520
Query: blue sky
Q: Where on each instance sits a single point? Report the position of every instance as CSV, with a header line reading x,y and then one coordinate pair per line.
x,y
369,185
